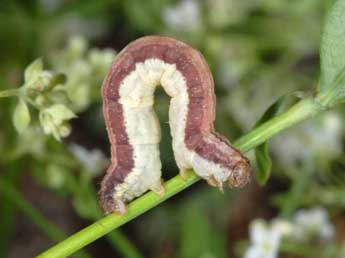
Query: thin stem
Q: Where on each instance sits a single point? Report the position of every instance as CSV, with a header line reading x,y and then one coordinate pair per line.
x,y
7,209
304,109
122,245
12,195
117,239
10,93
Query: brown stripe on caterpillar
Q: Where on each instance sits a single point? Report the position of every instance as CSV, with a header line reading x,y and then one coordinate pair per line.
x,y
134,132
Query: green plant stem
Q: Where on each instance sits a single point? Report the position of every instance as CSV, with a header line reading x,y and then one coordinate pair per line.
x,y
9,93
124,247
7,208
12,195
304,109
117,239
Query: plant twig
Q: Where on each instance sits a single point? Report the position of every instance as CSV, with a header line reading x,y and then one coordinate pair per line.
x,y
116,238
11,194
304,109
7,209
122,244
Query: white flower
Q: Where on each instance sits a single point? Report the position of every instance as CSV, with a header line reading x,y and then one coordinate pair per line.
x,y
36,78
77,46
54,120
94,160
101,60
326,134
320,138
313,223
285,227
79,84
265,239
185,16
85,70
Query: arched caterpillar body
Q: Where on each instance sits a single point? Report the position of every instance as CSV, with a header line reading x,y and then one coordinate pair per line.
x,y
134,131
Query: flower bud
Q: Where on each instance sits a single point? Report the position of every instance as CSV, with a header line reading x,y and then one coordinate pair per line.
x,y
33,71
54,120
64,129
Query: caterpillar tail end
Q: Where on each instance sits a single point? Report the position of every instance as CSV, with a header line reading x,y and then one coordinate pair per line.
x,y
110,204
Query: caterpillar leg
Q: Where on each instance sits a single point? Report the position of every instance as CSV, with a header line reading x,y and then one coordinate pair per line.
x,y
112,203
158,187
212,181
183,173
120,207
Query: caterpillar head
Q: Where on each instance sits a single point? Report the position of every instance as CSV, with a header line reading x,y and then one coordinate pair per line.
x,y
217,161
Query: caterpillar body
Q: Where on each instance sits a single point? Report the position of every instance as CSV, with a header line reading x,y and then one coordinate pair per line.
x,y
134,131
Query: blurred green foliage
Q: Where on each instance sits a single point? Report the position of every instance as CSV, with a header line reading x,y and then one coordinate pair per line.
x,y
257,51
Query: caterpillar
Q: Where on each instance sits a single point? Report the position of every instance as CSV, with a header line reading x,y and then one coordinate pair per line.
x,y
134,131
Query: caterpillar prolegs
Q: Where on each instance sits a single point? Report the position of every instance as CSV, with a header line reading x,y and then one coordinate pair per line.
x,y
134,131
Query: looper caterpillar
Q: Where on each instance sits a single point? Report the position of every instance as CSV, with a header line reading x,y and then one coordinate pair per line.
x,y
134,131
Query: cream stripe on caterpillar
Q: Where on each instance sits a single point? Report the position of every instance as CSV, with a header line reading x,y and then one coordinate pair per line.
x,y
134,131
142,125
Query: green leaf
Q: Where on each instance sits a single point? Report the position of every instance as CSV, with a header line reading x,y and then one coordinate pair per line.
x,y
333,45
264,163
334,93
21,116
33,71
332,82
262,156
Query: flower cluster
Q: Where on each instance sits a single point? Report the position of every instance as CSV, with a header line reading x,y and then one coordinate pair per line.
x,y
43,89
59,95
306,225
265,238
94,160
319,139
312,224
185,16
85,70
54,120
